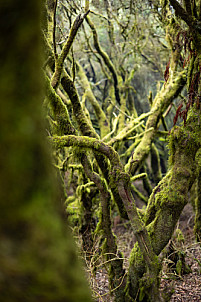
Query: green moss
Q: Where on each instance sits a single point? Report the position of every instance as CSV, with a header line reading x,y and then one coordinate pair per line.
x,y
168,200
102,119
59,110
140,282
82,121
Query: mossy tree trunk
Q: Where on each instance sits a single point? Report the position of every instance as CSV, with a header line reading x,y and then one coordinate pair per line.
x,y
38,258
170,196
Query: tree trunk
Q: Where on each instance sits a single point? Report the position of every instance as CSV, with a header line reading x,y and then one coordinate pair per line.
x,y
169,197
37,256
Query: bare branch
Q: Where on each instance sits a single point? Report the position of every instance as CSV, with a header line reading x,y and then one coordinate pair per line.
x,y
106,59
54,29
182,13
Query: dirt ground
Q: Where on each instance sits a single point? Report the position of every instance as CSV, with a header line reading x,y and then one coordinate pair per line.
x,y
187,288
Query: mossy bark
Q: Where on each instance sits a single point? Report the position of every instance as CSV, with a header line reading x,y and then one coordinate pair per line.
x,y
37,256
170,196
59,62
161,102
102,119
63,124
113,257
121,181
146,282
87,130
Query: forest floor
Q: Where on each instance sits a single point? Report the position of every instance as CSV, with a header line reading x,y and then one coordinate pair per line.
x,y
186,288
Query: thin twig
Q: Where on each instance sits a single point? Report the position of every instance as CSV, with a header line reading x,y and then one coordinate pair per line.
x,y
54,29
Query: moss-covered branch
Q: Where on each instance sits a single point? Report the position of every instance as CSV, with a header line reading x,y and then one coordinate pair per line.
x,y
88,142
169,199
54,29
155,164
87,130
161,102
150,284
82,121
128,130
139,194
100,114
121,181
61,115
65,50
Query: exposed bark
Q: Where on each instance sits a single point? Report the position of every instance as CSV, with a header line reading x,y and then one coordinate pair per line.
x,y
155,164
181,12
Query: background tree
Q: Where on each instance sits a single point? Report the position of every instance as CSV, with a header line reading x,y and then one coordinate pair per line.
x,y
104,142
37,256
